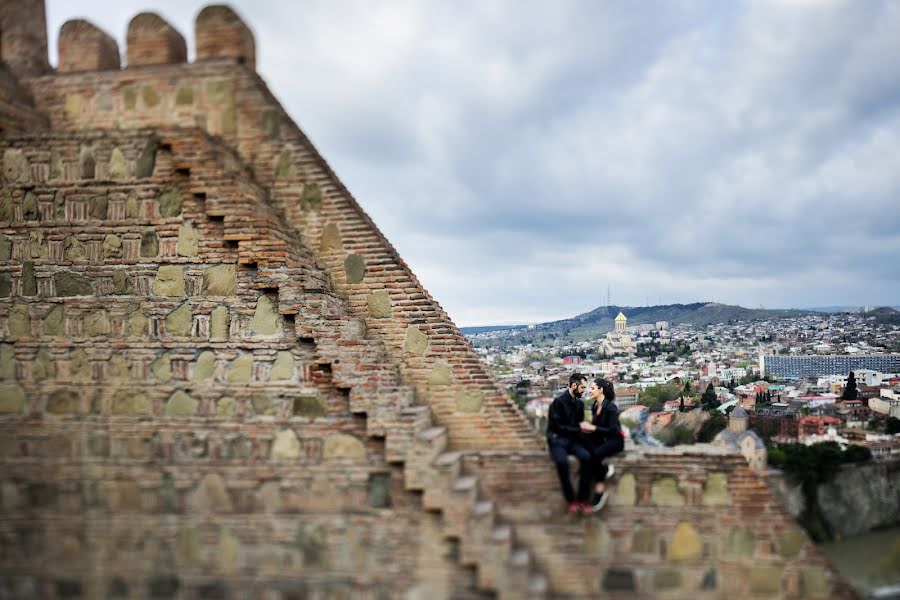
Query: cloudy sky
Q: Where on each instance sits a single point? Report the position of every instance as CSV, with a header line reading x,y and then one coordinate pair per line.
x,y
526,158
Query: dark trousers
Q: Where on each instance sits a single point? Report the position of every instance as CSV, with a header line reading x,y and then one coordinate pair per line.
x,y
601,451
560,449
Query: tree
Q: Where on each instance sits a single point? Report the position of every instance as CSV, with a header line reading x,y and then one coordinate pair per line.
x,y
681,405
687,388
708,400
892,425
732,384
711,428
850,392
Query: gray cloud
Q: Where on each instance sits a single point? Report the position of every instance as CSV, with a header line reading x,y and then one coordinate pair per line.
x,y
523,156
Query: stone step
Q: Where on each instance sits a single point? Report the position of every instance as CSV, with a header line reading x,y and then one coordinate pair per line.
x,y
458,508
400,437
480,524
425,448
439,478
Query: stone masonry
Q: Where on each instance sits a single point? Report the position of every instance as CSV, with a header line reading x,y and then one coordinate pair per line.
x,y
219,380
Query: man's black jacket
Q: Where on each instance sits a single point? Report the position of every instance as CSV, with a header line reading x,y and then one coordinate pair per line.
x,y
563,418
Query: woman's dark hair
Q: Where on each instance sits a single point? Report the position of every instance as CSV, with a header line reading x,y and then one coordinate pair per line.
x,y
607,387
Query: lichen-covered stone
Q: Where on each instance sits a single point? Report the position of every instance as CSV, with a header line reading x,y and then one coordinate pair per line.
x,y
118,167
229,552
59,206
312,543
283,367
284,165
686,543
469,401
112,246
162,368
6,205
146,162
790,542
226,407
74,105
64,402
310,407
311,198
86,163
416,341
133,207
379,305
181,404
169,281
38,247
56,165
187,546
666,579
118,368
271,122
240,369
741,542
15,166
644,540
68,283
664,492
331,238
344,447
29,282
150,96
263,406
129,97
188,243
74,249
815,583
149,244
97,324
12,398
219,322
441,374
205,368
265,318
98,207
7,362
30,206
220,280
19,321
286,445
354,268
178,322
130,403
5,248
170,202
138,323
184,96
598,543
5,285
211,496
765,580
121,282
80,366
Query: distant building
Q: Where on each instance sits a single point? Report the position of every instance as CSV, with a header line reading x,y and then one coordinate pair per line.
x,y
812,365
738,436
619,341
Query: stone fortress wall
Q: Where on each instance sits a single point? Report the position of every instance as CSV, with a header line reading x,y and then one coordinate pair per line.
x,y
218,379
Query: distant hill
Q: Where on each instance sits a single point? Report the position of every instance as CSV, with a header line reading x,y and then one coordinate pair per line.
x,y
597,322
488,328
885,314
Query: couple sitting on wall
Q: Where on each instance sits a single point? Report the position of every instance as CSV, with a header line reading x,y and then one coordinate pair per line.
x,y
568,433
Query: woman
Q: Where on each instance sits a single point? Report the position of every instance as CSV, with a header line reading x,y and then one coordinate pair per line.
x,y
605,435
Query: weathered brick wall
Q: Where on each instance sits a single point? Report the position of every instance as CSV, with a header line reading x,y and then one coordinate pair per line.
x,y
227,98
177,384
690,522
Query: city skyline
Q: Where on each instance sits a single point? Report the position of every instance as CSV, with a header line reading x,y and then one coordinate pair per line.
x,y
745,153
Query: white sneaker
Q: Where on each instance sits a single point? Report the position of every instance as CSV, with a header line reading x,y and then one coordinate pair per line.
x,y
610,471
599,502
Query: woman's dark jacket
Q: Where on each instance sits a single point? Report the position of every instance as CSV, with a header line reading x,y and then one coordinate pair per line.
x,y
606,421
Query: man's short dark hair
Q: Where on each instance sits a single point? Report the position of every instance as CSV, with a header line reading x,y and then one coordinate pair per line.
x,y
576,378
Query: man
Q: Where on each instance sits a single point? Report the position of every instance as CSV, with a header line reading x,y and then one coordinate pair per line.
x,y
565,424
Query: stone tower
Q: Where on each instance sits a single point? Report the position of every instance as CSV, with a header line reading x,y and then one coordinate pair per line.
x,y
621,323
738,420
218,379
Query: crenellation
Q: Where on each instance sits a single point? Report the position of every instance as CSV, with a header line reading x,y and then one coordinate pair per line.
x,y
153,41
85,47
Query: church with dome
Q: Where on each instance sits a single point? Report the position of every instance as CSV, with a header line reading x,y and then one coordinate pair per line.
x,y
619,341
